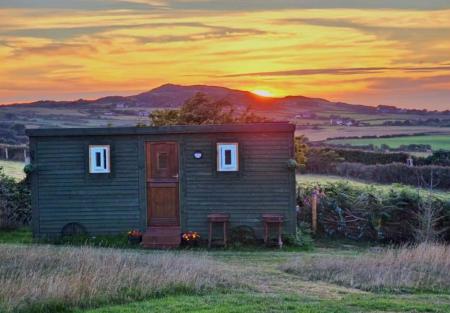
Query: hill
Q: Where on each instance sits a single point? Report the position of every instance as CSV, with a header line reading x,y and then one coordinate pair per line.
x,y
310,114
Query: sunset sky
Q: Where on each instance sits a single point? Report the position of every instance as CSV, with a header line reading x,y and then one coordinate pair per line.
x,y
358,51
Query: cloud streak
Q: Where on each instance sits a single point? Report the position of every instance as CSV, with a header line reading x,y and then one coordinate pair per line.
x,y
329,49
345,71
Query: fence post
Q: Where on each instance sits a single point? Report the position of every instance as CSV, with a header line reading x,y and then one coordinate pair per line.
x,y
26,158
314,211
6,153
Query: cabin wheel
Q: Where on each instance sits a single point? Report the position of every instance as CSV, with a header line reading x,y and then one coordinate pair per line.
x,y
73,229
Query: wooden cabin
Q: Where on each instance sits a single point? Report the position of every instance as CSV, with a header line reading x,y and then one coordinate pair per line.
x,y
161,180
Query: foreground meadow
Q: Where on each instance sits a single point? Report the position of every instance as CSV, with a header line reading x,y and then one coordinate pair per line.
x,y
13,169
43,278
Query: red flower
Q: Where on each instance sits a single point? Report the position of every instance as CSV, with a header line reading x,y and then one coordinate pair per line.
x,y
134,233
190,236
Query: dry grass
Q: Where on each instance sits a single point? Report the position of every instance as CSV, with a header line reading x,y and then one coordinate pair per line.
x,y
32,276
418,268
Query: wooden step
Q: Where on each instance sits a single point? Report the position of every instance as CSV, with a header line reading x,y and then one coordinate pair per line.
x,y
162,237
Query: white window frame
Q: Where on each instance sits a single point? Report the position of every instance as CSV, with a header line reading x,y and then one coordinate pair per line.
x,y
222,147
105,159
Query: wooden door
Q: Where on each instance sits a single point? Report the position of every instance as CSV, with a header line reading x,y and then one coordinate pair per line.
x,y
162,184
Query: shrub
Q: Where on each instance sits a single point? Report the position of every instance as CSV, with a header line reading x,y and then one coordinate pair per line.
x,y
425,267
440,157
301,239
367,157
367,213
396,173
321,160
15,202
243,235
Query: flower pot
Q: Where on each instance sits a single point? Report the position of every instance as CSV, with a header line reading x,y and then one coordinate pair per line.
x,y
134,240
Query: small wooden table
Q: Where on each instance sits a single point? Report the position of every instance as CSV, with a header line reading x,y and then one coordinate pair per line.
x,y
218,218
272,220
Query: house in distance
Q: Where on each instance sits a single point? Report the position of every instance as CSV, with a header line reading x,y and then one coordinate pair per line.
x,y
161,180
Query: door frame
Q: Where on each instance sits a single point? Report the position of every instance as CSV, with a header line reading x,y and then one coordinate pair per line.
x,y
147,193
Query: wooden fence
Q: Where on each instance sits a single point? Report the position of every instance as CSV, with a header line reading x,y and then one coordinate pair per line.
x,y
14,153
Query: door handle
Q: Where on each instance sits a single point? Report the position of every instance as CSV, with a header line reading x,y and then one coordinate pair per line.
x,y
175,176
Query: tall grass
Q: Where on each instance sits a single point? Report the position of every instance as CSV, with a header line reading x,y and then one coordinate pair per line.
x,y
419,268
32,277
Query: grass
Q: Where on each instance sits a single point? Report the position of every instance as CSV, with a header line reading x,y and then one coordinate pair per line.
x,y
436,141
18,236
42,278
38,277
248,302
324,132
256,302
13,169
425,267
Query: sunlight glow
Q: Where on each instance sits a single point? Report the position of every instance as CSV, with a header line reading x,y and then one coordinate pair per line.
x,y
262,93
90,49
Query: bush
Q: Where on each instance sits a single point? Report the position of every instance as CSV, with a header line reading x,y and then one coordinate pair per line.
x,y
243,235
367,157
367,213
15,202
418,176
301,239
440,157
321,160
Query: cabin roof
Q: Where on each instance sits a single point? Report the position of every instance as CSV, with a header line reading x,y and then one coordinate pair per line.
x,y
176,129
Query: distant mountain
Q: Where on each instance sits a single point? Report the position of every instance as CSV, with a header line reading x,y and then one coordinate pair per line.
x,y
130,110
173,96
314,114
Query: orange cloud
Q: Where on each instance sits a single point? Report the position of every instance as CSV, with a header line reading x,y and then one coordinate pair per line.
x,y
90,49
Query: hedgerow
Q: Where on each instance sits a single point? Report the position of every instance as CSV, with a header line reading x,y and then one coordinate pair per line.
x,y
364,212
419,176
15,202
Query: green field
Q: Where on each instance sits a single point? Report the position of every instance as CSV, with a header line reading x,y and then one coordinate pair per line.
x,y
320,133
13,169
436,141
262,285
324,179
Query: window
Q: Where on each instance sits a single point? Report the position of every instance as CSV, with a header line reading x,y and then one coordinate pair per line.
x,y
163,161
99,159
227,157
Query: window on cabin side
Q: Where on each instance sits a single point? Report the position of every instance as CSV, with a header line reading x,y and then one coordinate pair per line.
x,y
99,159
227,157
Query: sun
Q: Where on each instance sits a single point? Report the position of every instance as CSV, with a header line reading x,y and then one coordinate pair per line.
x,y
262,93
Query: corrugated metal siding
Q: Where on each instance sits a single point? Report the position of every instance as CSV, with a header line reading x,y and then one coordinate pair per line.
x,y
67,193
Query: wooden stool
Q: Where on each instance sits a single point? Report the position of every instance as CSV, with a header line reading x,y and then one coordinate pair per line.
x,y
222,218
272,220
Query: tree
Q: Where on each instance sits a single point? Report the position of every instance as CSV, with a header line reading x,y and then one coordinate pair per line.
x,y
321,160
200,110
429,215
301,150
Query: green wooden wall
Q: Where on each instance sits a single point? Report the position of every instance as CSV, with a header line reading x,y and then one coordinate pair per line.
x,y
64,192
263,184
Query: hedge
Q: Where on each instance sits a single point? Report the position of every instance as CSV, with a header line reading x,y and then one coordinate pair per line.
x,y
420,176
15,202
360,156
363,212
